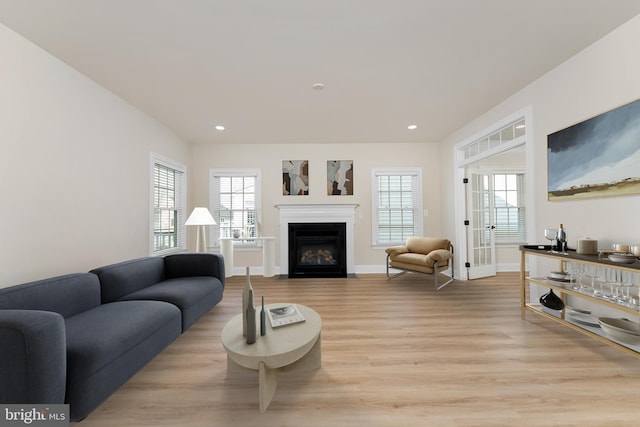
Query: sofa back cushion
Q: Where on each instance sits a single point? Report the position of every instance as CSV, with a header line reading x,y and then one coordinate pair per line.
x,y
118,280
194,264
424,245
67,295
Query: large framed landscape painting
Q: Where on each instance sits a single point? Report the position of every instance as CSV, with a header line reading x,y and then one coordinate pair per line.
x,y
597,157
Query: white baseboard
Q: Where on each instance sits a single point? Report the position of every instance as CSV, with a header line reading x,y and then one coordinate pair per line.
x,y
377,269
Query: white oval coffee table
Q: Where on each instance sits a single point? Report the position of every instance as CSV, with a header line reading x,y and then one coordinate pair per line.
x,y
291,347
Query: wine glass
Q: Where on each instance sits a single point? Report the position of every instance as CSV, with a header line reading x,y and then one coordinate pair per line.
x,y
599,278
613,279
609,279
590,272
574,274
626,283
550,234
634,295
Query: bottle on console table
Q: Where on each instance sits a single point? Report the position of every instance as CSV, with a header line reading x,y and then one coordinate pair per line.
x,y
561,237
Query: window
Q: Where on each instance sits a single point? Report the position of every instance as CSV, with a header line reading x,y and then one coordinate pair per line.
x,y
509,207
168,216
235,203
509,134
397,205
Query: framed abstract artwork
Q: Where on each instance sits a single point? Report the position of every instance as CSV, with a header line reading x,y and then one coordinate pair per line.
x,y
295,177
340,177
597,157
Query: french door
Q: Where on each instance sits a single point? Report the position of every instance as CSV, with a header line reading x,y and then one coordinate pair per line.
x,y
481,248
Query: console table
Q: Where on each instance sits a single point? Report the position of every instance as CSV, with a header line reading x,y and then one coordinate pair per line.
x,y
572,256
268,254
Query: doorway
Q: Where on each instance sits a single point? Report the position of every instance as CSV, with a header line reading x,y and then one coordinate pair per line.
x,y
482,209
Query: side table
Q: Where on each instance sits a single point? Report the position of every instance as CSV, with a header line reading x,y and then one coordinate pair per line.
x,y
268,254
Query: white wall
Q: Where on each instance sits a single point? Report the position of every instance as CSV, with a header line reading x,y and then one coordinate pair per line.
x,y
600,78
269,159
74,165
74,161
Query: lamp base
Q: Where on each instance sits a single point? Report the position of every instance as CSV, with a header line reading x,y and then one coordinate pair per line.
x,y
201,239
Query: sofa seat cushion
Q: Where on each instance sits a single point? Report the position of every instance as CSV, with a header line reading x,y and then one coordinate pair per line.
x,y
108,344
96,337
193,295
441,256
420,262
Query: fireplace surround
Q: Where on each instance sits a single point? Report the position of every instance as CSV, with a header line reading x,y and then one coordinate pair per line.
x,y
318,214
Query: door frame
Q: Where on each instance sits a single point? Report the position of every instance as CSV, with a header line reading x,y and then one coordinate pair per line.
x,y
460,197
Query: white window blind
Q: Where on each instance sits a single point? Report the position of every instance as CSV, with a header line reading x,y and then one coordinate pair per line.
x,y
168,210
509,207
397,205
235,204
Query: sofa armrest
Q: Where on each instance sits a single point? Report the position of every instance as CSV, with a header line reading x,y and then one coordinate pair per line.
x,y
194,264
439,255
396,250
33,357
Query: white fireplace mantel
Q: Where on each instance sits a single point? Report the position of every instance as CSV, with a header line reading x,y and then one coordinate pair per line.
x,y
317,213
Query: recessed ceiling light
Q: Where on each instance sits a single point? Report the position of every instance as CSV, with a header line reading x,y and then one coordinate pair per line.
x,y
318,86
412,127
219,127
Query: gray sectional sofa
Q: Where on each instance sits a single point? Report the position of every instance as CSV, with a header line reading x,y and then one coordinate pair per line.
x,y
77,338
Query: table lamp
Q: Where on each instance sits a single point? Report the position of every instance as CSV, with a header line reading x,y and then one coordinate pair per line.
x,y
201,217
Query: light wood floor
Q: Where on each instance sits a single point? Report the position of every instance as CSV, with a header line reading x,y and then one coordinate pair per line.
x,y
395,353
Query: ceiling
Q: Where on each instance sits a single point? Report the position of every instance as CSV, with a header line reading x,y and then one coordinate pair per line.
x,y
250,65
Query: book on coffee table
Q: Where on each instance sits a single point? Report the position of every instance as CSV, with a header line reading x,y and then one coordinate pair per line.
x,y
286,314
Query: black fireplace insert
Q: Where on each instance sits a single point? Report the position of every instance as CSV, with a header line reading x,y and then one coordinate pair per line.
x,y
317,250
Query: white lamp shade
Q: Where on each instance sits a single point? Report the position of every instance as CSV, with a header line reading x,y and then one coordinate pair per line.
x,y
200,216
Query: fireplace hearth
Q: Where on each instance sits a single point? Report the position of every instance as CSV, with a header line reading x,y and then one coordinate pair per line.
x,y
317,250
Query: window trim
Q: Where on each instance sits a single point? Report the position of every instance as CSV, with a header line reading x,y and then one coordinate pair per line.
x,y
418,206
181,201
214,240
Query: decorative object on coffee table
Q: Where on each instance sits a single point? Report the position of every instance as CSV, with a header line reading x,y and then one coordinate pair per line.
x,y
263,320
251,320
283,315
245,301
